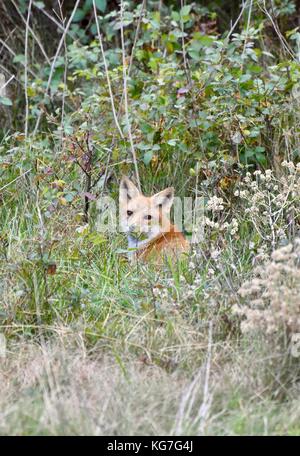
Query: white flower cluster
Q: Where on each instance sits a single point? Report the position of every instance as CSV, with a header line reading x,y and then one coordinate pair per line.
x,y
291,166
231,227
215,204
272,296
271,203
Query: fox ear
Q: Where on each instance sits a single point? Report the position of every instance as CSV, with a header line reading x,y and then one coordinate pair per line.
x,y
127,189
164,198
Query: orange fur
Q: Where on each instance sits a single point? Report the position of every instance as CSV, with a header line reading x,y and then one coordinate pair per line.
x,y
167,244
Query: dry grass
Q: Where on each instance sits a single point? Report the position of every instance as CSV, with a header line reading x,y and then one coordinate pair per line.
x,y
64,390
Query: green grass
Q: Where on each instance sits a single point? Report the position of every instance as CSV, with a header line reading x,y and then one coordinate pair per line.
x,y
94,328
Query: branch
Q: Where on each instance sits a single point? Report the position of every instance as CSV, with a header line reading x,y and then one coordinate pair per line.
x,y
31,31
26,69
62,41
126,100
106,73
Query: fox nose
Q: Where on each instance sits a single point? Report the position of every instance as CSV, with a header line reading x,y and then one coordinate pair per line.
x,y
132,228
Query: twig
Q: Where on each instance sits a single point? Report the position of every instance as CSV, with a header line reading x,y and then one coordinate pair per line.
x,y
62,18
7,82
106,73
185,63
43,10
5,70
189,397
32,32
62,40
247,31
26,70
14,180
279,34
237,20
136,36
126,100
14,54
207,397
128,73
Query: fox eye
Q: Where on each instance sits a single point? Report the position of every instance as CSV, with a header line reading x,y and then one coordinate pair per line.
x,y
148,217
129,213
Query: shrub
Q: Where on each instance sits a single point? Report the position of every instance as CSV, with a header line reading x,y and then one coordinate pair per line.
x,y
273,294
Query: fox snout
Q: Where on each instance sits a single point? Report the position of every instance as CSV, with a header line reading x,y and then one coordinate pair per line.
x,y
138,229
137,234
135,228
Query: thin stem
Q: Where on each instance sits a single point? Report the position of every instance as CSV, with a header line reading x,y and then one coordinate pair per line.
x,y
14,54
44,11
185,63
26,69
62,40
106,73
63,19
126,100
279,34
128,73
6,83
14,180
32,32
247,31
237,20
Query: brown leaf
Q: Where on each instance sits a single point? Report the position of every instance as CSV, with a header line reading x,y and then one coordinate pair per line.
x,y
51,269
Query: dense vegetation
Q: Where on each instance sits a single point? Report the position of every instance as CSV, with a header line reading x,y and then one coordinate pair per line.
x,y
203,96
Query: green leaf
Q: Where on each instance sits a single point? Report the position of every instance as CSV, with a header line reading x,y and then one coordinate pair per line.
x,y
156,147
194,55
68,129
245,78
185,10
101,5
146,128
121,251
148,157
255,68
96,238
5,101
143,146
19,58
70,196
259,150
31,92
79,15
205,40
291,32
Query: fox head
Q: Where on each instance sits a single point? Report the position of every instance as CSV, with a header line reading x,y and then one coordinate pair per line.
x,y
144,217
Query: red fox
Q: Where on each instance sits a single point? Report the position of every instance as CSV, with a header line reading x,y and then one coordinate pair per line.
x,y
150,234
